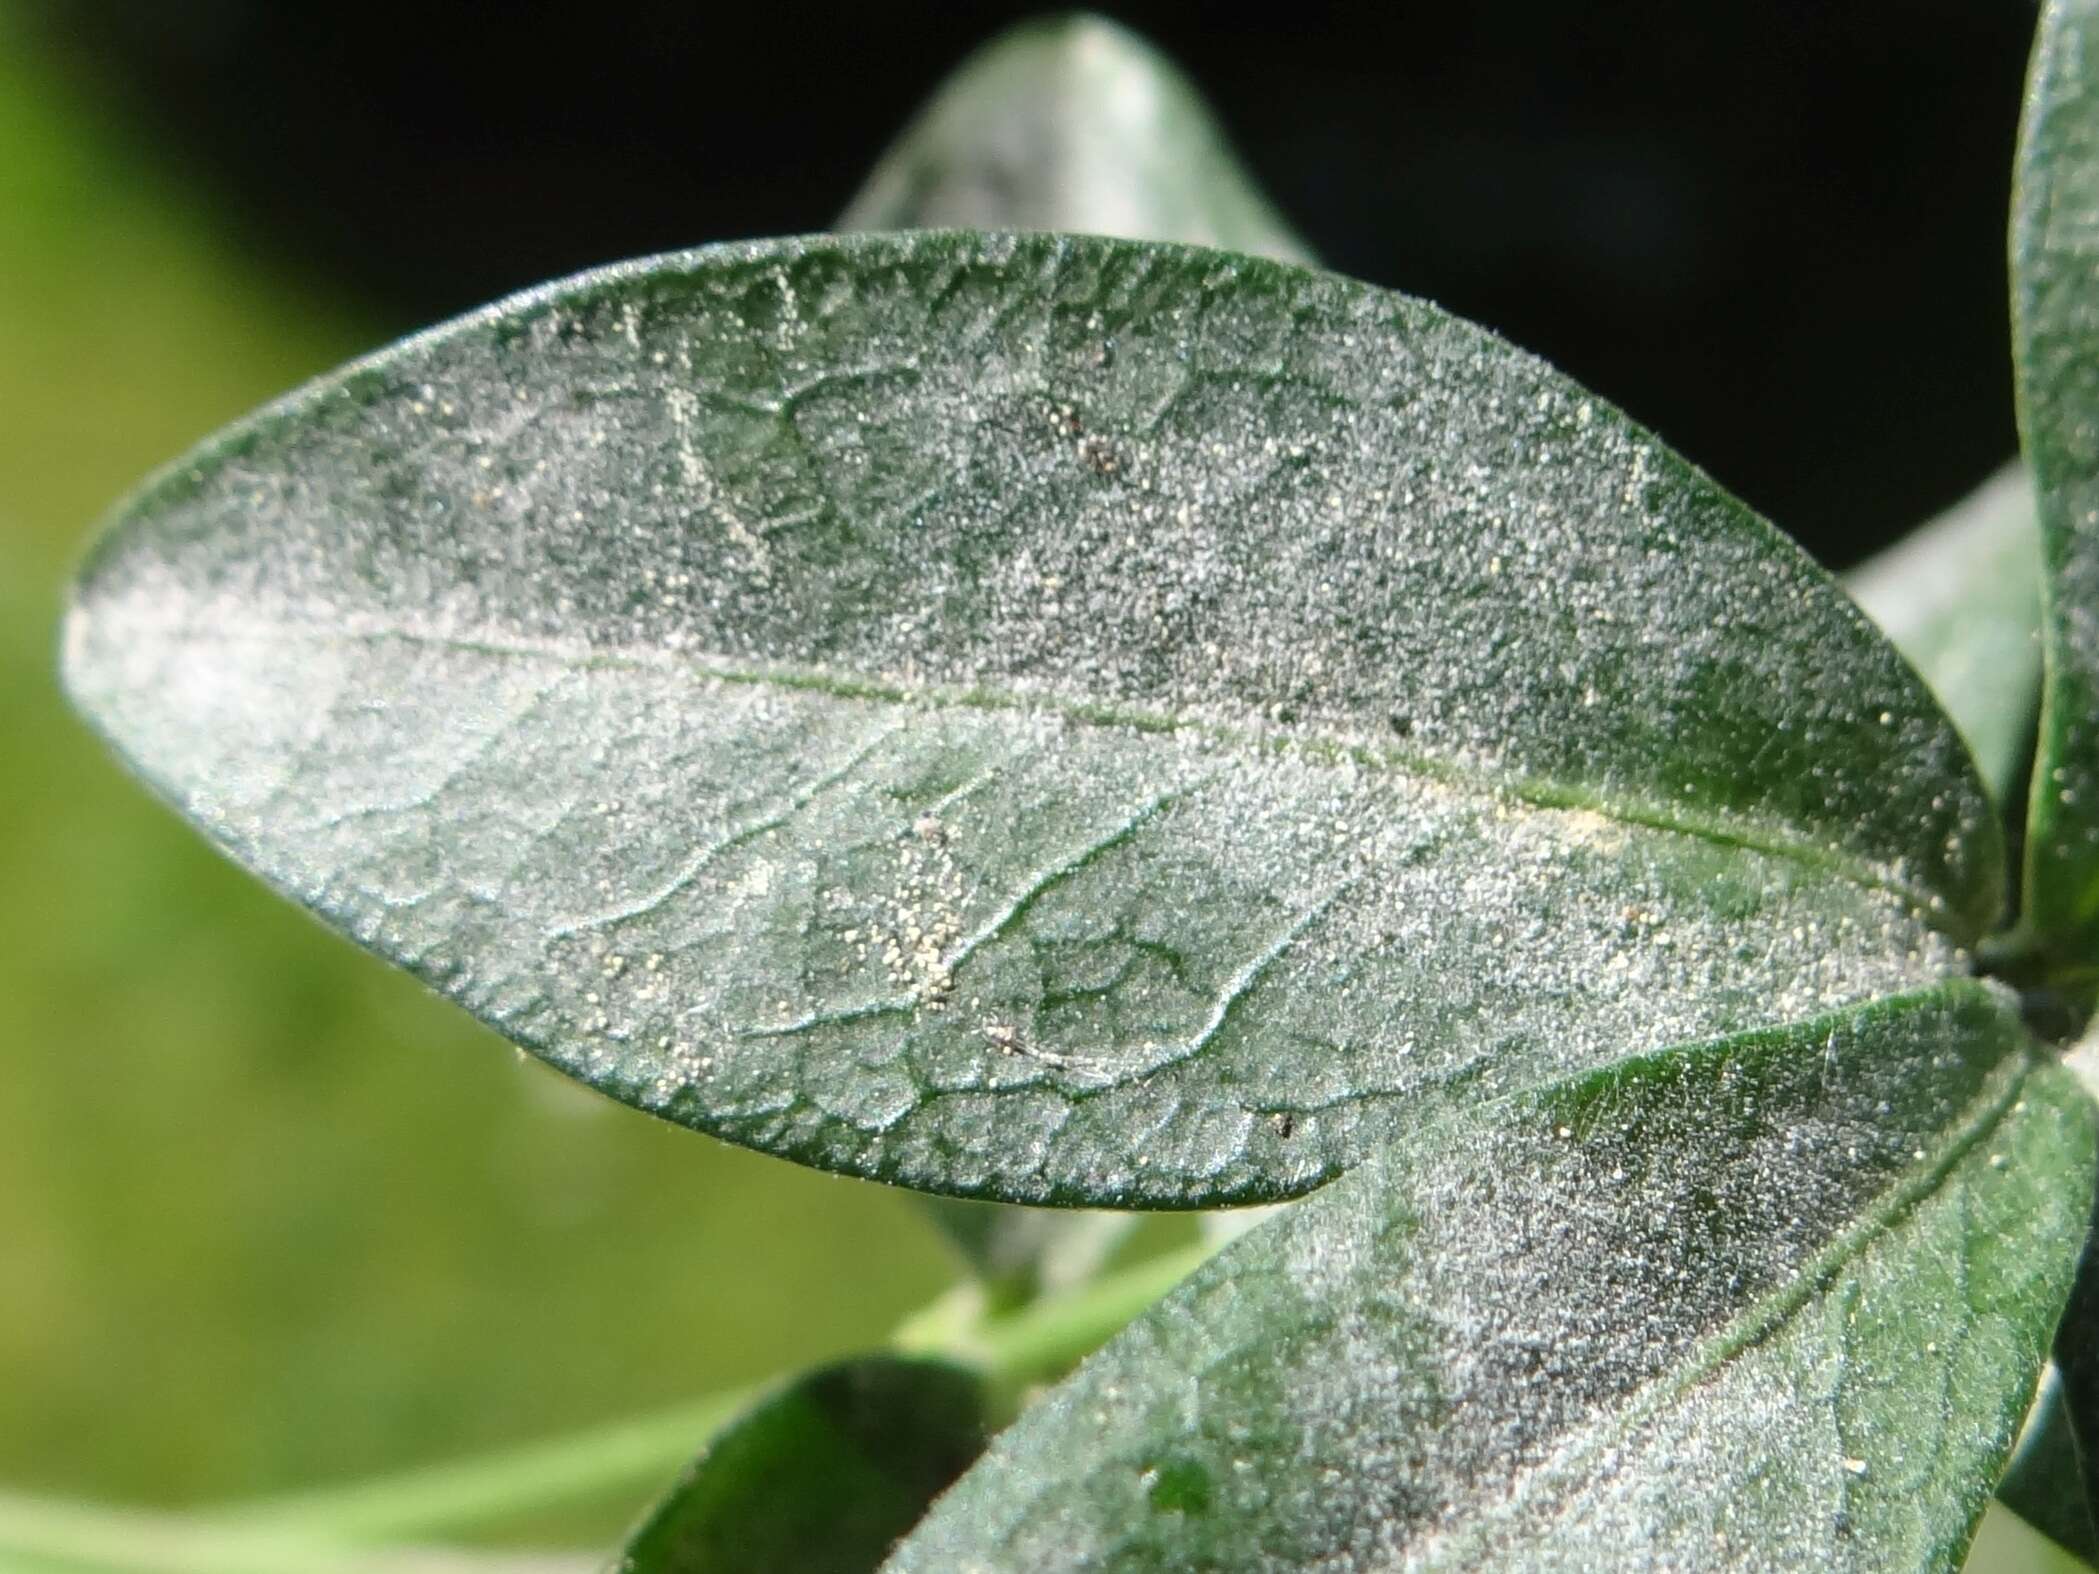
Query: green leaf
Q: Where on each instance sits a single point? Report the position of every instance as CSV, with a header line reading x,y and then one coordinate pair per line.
x,y
1777,1303
1019,1253
1065,124
2054,1480
1054,719
1071,124
2044,1483
821,1477
235,1185
2055,340
1961,598
56,1536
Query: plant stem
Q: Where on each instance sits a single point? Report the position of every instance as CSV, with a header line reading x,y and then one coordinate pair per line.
x,y
469,1493
38,1536
2056,993
1041,1341
1014,1351
339,1530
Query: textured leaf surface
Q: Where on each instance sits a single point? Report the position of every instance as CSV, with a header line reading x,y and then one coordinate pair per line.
x,y
1961,598
1775,1304
2055,339
271,1219
2054,1482
821,1477
1056,719
1073,124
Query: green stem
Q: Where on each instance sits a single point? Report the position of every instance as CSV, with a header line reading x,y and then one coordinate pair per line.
x,y
42,1537
1041,1341
1014,1350
465,1494
338,1530
2056,992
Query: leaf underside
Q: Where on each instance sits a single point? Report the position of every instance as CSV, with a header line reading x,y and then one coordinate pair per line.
x,y
1041,718
820,1477
1777,1304
2055,339
1071,124
1961,598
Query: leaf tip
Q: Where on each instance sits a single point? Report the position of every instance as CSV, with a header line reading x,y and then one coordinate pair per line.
x,y
1071,123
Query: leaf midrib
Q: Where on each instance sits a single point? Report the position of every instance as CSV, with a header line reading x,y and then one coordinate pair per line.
x,y
1544,792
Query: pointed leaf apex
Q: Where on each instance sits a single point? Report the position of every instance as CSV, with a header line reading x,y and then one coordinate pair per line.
x,y
1073,123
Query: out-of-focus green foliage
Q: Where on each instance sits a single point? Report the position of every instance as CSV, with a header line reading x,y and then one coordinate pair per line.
x,y
249,1244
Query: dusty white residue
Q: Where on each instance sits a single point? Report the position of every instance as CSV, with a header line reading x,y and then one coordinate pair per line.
x,y
923,915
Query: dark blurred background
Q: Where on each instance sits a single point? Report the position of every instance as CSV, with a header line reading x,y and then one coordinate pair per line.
x,y
1773,231
271,1216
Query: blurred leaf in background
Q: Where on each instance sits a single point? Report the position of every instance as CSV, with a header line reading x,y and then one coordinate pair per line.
x,y
271,1216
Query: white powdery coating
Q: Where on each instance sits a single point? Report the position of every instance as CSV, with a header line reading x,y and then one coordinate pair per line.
x,y
1777,1306
1034,718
